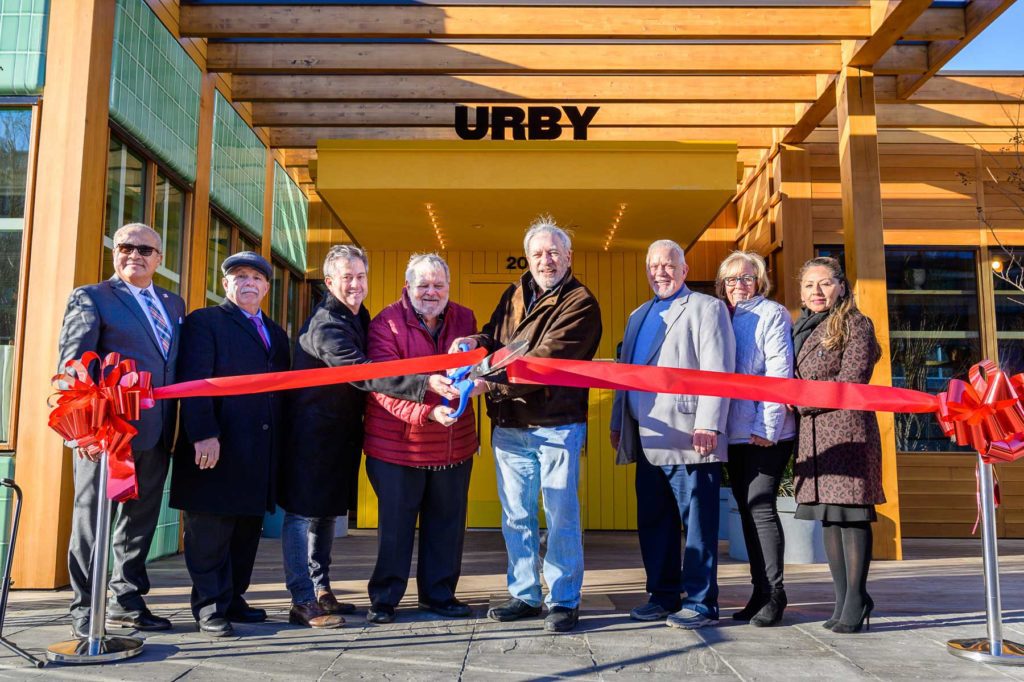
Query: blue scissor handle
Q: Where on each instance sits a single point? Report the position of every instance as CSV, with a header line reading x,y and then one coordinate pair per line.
x,y
462,384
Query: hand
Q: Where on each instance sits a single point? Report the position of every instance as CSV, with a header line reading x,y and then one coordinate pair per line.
x,y
479,388
442,386
442,415
615,437
762,442
454,348
704,442
92,457
207,453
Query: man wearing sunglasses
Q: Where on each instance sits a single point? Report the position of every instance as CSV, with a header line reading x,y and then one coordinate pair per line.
x,y
126,314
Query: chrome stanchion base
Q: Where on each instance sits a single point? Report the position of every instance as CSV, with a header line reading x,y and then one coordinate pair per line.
x,y
980,650
77,651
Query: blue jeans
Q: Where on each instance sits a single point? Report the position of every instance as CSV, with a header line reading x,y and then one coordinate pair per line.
x,y
531,462
672,501
306,545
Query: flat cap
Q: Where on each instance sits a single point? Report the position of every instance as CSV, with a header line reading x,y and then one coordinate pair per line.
x,y
247,259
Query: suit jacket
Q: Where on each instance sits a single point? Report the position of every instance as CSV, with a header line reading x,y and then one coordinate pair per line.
x,y
106,318
221,342
697,334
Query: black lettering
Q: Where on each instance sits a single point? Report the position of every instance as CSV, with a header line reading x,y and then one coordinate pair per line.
x,y
508,117
462,123
543,123
523,263
510,263
580,121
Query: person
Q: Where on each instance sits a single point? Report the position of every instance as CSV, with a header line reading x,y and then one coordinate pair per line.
x,y
126,314
225,459
674,440
418,458
320,465
538,431
760,434
838,469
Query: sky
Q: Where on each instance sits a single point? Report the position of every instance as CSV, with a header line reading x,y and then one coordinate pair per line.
x,y
1000,47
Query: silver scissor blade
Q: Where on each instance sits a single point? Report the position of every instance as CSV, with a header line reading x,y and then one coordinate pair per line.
x,y
500,359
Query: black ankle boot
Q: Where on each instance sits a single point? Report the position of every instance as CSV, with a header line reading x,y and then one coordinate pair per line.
x,y
757,601
771,613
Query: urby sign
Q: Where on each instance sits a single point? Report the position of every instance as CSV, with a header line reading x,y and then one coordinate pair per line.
x,y
516,123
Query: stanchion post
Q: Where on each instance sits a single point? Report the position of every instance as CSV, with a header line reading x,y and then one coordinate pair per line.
x,y
98,647
991,649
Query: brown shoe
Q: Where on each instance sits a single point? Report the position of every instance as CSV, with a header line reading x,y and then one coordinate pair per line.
x,y
312,616
330,604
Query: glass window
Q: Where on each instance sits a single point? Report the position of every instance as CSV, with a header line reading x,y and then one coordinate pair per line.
x,y
218,249
935,331
126,195
1009,290
15,126
169,221
294,314
278,283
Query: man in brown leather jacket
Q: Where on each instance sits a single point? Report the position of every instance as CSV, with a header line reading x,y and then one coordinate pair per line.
x,y
538,431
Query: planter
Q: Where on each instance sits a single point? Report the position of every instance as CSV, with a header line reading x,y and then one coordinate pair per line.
x,y
804,544
737,545
724,499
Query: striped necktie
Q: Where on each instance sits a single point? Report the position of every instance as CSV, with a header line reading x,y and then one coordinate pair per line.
x,y
163,331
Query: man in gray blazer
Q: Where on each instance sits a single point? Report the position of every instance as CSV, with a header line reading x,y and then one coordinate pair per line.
x,y
674,440
126,314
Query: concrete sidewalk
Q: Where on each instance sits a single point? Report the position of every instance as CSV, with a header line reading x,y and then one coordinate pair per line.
x,y
934,595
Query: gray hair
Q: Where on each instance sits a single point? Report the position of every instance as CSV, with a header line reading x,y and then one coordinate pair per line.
x,y
755,260
545,224
665,244
343,252
129,227
429,261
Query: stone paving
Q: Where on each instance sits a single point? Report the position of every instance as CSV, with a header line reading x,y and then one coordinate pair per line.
x,y
934,595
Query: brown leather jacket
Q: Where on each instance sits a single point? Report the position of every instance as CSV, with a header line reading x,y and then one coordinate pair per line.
x,y
565,322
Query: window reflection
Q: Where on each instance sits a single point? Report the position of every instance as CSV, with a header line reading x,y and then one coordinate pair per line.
x,y
1010,308
169,221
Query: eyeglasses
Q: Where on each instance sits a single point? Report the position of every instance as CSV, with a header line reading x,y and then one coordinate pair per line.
x,y
745,280
144,251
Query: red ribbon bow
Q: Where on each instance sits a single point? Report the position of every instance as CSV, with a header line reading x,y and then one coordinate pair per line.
x,y
987,413
94,416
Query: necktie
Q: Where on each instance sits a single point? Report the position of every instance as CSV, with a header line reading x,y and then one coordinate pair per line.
x,y
163,330
261,330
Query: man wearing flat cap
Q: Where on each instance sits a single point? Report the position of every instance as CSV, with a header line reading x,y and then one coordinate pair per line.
x,y
225,459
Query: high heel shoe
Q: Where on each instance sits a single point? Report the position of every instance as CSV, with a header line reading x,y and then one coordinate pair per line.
x,y
842,628
757,600
771,614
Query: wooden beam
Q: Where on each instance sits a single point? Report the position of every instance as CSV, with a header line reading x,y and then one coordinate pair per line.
x,y
308,137
938,23
955,88
811,115
281,114
310,58
65,251
518,88
957,115
199,235
794,222
298,157
889,21
902,59
977,16
436,22
863,236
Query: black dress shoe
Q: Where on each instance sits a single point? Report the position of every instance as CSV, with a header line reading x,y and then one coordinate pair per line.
x,y
139,620
453,608
246,614
80,627
513,609
215,626
561,619
380,614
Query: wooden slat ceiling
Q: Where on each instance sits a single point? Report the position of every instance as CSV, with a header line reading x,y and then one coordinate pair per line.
x,y
756,73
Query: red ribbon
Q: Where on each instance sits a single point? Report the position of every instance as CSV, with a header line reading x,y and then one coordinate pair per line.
x,y
987,413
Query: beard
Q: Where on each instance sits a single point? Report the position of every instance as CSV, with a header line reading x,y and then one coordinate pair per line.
x,y
429,308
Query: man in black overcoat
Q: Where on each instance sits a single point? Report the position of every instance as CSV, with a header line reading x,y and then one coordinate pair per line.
x,y
320,463
225,460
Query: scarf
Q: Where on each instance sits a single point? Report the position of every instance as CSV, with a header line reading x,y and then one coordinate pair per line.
x,y
805,326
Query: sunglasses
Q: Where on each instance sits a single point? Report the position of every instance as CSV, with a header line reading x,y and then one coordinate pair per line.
x,y
144,251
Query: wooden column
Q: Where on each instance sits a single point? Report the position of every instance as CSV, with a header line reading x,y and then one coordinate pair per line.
x,y
865,265
65,251
794,222
199,236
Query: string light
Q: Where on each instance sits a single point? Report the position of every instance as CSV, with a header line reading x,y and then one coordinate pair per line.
x,y
616,220
438,233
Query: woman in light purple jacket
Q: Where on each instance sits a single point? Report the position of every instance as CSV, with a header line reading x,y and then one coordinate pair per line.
x,y
760,434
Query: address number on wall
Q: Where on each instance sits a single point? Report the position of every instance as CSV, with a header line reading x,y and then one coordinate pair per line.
x,y
513,263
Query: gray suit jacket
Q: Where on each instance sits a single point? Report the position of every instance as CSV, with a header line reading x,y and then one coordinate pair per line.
x,y
697,334
106,318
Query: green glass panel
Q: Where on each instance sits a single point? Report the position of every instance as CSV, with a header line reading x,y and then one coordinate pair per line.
x,y
154,87
22,46
288,235
6,507
169,221
217,252
237,170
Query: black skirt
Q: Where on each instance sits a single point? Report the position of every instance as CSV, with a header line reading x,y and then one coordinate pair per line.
x,y
837,513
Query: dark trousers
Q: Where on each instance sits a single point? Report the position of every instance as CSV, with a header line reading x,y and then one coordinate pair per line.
x,y
220,551
439,498
673,501
754,474
133,523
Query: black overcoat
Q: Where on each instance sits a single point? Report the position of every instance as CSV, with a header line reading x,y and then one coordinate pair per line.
x,y
320,461
219,342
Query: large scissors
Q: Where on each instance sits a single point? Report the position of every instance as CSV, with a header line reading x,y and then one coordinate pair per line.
x,y
464,378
